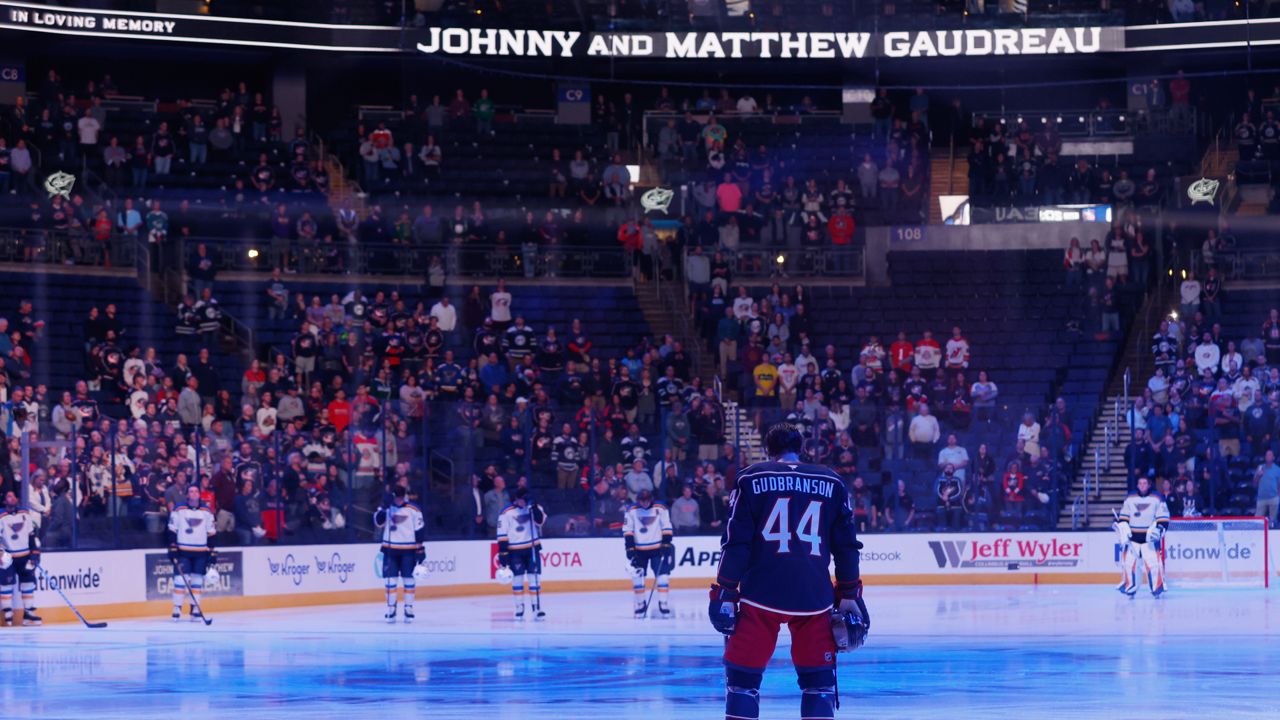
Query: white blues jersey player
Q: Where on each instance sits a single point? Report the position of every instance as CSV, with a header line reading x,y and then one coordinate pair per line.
x,y
19,557
191,535
403,532
646,529
1141,524
519,550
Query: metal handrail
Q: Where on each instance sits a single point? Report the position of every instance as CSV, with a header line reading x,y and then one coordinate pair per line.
x,y
1079,123
1249,264
1127,376
787,117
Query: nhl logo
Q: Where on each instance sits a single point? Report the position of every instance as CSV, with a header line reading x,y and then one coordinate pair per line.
x,y
657,199
1203,190
60,183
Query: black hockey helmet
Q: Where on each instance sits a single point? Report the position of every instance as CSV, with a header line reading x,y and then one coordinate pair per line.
x,y
783,438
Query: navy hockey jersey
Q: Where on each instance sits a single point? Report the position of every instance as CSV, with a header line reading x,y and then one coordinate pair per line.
x,y
786,523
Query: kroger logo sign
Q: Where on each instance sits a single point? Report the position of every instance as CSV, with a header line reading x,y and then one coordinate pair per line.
x,y
297,569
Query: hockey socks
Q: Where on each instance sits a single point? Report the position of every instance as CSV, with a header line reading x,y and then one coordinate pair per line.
x,y
535,589
179,594
741,703
742,695
517,592
818,701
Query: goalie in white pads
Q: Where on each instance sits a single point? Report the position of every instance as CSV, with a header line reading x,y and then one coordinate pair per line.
x,y
646,529
191,533
19,556
403,532
1141,525
520,550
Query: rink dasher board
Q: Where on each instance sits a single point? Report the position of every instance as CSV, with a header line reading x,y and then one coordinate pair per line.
x,y
116,583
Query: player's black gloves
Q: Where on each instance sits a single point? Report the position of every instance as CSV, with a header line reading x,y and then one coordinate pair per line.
x,y
173,553
633,557
420,556
723,609
213,556
504,559
35,559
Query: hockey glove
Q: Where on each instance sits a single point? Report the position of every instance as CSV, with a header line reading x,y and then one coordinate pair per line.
x,y
173,553
849,603
213,556
504,559
34,559
723,609
1124,533
633,557
420,556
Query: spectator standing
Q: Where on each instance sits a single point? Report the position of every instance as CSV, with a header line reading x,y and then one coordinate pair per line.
x,y
1267,480
923,432
1180,100
495,500
201,270
483,110
1189,296
685,516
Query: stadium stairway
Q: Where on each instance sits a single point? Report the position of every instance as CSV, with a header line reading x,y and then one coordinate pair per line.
x,y
343,191
946,178
1102,471
666,311
741,431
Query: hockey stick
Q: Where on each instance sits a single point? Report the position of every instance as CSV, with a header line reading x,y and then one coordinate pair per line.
x,y
537,560
662,565
191,593
655,587
58,587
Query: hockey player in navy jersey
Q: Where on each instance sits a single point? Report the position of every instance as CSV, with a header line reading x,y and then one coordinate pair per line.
x,y
191,533
787,521
403,532
647,530
19,556
519,550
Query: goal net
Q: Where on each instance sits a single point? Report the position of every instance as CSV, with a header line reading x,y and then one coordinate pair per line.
x,y
1217,551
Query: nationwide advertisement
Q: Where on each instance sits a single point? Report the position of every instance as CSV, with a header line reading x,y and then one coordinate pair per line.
x,y
90,578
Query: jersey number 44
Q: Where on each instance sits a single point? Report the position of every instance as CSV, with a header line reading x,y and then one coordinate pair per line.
x,y
778,528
